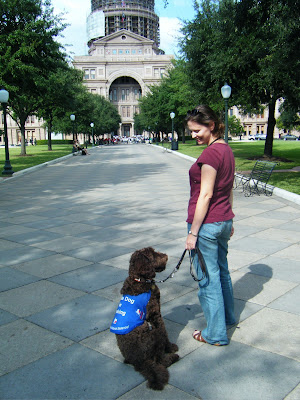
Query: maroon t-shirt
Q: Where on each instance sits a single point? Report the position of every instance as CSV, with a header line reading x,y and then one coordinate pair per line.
x,y
220,157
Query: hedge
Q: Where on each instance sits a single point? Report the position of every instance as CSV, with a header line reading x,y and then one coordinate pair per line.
x,y
55,141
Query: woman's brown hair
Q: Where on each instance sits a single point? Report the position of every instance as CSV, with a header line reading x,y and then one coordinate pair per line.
x,y
204,115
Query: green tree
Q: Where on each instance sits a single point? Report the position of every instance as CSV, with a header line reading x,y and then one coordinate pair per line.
x,y
105,116
289,118
234,126
87,108
253,45
138,124
28,54
59,93
173,94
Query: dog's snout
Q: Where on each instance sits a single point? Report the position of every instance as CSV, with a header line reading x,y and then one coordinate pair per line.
x,y
161,262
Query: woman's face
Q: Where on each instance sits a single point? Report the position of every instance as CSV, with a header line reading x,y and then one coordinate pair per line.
x,y
202,133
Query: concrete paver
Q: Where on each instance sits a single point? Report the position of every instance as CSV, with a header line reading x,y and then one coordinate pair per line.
x,y
235,372
67,232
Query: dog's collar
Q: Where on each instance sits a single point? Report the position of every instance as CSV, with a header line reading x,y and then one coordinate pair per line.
x,y
145,281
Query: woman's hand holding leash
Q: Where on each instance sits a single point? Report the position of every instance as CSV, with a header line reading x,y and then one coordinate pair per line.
x,y
191,241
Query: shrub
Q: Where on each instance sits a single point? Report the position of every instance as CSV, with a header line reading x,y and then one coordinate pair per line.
x,y
55,141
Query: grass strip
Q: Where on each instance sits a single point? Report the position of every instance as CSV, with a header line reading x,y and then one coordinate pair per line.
x,y
35,155
285,153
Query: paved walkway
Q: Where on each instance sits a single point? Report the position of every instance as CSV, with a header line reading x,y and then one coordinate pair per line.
x,y
66,234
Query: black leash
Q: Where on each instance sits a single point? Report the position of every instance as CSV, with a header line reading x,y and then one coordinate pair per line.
x,y
197,252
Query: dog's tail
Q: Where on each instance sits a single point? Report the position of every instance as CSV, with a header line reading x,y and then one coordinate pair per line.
x,y
157,375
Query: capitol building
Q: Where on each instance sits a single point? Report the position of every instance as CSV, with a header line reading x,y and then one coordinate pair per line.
x,y
124,56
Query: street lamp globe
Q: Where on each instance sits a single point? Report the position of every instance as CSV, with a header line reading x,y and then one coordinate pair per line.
x,y
4,96
226,91
72,117
172,115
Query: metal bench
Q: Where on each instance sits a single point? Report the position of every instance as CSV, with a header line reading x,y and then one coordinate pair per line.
x,y
257,181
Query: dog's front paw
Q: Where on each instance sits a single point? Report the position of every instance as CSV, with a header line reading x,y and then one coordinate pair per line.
x,y
175,358
170,359
171,348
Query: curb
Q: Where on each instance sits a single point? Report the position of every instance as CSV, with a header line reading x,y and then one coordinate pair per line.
x,y
293,197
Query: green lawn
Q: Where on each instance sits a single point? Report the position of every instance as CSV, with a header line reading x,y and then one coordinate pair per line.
x,y
35,155
246,153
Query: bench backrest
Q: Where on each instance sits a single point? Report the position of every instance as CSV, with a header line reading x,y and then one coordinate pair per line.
x,y
262,170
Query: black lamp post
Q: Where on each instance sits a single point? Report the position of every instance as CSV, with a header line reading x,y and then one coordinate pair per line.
x,y
174,144
72,118
7,171
226,92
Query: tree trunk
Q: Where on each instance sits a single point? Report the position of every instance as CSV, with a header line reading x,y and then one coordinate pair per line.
x,y
23,145
49,135
270,130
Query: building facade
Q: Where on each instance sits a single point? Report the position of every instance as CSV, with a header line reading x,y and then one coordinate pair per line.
x,y
121,67
124,57
34,130
255,123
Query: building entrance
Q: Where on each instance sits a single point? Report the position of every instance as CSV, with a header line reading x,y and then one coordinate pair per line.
x,y
125,93
126,130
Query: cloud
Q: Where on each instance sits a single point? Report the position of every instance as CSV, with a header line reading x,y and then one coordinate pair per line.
x,y
169,34
76,12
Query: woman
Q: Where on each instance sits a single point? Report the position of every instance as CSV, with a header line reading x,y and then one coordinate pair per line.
x,y
210,222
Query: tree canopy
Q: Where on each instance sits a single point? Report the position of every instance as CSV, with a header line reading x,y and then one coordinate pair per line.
x,y
173,94
289,118
89,108
59,93
252,45
37,73
28,54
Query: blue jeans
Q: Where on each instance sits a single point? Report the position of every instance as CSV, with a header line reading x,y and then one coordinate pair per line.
x,y
215,294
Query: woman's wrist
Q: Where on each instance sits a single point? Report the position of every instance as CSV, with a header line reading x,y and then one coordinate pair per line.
x,y
191,233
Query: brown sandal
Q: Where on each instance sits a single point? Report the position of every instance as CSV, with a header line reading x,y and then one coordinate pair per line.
x,y
197,336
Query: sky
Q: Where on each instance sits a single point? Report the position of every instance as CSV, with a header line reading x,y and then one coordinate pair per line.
x,y
76,12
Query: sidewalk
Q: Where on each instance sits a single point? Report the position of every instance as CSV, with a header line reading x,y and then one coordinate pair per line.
x,y
67,232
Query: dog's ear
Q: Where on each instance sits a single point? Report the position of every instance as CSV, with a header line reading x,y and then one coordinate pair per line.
x,y
142,264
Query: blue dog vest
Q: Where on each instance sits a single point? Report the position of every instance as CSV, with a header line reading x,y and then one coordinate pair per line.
x,y
130,313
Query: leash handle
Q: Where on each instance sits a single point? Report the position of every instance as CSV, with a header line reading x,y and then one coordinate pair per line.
x,y
202,265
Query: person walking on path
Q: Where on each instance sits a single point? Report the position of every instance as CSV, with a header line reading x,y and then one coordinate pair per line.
x,y
210,223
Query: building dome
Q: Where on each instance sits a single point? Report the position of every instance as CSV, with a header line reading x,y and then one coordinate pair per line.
x,y
110,16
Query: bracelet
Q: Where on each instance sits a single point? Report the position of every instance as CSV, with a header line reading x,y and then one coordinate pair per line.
x,y
191,233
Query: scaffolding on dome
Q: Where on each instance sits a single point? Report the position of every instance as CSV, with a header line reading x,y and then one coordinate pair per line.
x,y
137,16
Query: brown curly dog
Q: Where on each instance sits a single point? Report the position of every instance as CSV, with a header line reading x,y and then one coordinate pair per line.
x,y
140,330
